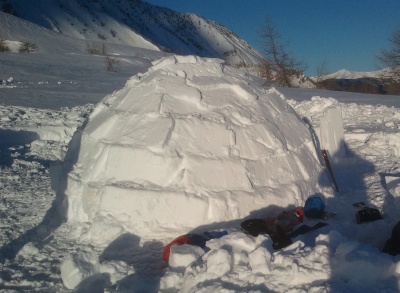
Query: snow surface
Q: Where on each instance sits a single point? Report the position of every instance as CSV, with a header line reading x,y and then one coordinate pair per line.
x,y
39,252
341,257
61,73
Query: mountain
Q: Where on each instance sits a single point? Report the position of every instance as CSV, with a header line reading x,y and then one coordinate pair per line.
x,y
61,73
375,82
346,74
136,23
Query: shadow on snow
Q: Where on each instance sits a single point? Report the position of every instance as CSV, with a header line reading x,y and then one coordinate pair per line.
x,y
41,234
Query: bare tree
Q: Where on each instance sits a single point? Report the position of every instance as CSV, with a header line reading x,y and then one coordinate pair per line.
x,y
280,61
27,47
391,57
3,46
101,49
97,49
322,70
111,62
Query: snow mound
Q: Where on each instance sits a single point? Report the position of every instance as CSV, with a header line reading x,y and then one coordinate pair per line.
x,y
191,142
240,261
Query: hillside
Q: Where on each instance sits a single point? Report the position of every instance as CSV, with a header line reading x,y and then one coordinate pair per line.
x,y
136,23
346,74
373,82
61,73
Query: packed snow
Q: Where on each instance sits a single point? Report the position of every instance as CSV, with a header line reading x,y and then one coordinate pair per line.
x,y
40,252
191,142
99,171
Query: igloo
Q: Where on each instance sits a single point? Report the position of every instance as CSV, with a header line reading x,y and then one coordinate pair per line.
x,y
191,142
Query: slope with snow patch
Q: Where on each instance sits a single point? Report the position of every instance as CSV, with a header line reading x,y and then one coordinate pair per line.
x,y
73,19
61,72
137,24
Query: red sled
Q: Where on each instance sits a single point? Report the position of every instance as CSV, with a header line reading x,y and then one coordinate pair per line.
x,y
183,239
193,239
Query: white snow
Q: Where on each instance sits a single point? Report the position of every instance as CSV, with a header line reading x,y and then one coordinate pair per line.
x,y
345,256
332,133
78,267
247,151
183,255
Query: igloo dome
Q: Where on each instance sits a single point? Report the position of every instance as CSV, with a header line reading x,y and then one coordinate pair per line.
x,y
191,142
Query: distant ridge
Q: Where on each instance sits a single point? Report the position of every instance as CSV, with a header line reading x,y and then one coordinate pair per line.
x,y
346,74
373,82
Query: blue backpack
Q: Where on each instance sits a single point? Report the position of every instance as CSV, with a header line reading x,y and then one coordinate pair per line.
x,y
314,207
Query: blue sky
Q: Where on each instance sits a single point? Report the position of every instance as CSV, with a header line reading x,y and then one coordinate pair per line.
x,y
349,34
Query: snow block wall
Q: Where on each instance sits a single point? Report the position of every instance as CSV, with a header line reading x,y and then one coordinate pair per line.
x,y
190,142
332,132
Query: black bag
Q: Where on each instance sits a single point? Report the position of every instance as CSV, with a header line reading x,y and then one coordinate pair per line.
x,y
396,232
368,215
254,227
392,245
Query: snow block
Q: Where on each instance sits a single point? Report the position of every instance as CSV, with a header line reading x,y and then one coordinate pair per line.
x,y
76,268
183,255
191,142
260,261
332,133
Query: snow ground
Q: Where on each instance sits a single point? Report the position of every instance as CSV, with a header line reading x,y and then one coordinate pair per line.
x,y
78,78
34,141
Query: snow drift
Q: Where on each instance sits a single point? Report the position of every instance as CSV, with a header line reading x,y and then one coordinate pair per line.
x,y
189,143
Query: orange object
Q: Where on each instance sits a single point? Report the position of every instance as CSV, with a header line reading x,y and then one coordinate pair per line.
x,y
183,239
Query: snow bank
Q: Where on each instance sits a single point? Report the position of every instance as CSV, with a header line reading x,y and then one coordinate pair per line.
x,y
189,143
236,261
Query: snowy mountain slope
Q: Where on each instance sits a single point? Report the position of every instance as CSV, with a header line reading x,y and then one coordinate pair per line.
x,y
347,74
71,19
375,82
137,23
61,72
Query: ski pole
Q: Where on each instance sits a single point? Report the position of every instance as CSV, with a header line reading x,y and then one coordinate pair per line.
x,y
328,166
